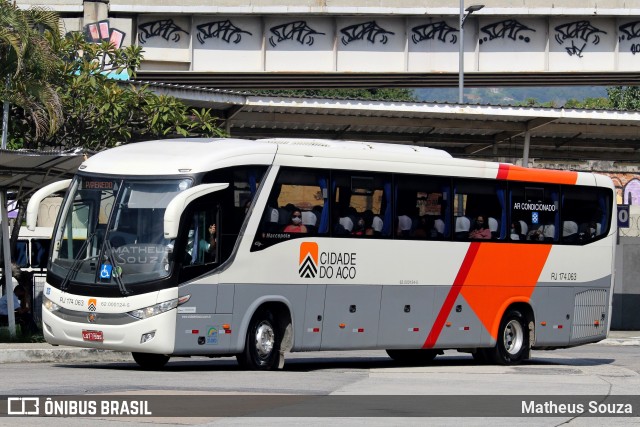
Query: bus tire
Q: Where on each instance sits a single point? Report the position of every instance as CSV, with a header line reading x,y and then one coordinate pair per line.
x,y
413,356
513,340
262,346
150,361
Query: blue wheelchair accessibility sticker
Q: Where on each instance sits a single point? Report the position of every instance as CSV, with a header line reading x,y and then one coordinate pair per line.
x,y
105,271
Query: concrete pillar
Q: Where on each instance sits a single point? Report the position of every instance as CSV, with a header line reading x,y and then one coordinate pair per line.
x,y
525,151
95,11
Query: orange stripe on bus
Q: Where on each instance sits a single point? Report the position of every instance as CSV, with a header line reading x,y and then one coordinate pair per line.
x,y
500,275
467,263
519,173
492,276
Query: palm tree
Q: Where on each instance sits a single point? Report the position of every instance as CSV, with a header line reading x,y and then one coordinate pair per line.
x,y
29,62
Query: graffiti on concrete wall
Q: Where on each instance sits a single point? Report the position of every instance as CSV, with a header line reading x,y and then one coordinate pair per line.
x,y
434,31
507,29
630,31
165,28
576,37
298,31
369,31
627,187
580,32
223,30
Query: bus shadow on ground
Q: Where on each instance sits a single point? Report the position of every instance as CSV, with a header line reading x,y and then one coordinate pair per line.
x,y
319,363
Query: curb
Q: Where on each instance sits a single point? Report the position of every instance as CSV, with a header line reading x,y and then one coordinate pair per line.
x,y
50,355
620,341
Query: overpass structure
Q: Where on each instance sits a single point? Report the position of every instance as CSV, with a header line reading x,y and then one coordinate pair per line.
x,y
504,133
368,43
193,49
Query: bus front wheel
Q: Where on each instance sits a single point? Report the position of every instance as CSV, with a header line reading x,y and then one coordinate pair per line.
x,y
150,361
262,347
513,340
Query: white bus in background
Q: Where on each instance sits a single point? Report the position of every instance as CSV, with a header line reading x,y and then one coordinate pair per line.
x,y
134,267
32,249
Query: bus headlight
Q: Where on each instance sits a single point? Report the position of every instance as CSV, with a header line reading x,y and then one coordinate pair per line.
x,y
50,305
154,310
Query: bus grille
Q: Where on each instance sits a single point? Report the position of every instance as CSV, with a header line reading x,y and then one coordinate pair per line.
x,y
589,315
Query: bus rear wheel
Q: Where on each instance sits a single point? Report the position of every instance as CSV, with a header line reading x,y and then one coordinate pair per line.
x,y
513,340
262,346
413,356
150,361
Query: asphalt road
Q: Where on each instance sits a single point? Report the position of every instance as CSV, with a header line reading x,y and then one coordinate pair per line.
x,y
592,370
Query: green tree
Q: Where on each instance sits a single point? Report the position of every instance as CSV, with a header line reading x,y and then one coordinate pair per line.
x,y
624,97
30,63
589,103
100,111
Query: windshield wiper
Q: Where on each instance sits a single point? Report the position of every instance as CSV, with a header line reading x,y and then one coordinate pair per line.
x,y
115,273
77,262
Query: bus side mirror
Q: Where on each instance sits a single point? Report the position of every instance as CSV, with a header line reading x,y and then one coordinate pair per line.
x,y
178,204
34,202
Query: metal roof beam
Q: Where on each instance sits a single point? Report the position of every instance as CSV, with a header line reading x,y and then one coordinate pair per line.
x,y
339,119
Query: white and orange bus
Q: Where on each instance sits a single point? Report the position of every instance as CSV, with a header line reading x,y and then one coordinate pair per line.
x,y
223,247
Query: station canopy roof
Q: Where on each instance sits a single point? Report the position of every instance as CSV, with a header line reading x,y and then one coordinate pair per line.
x,y
463,130
25,171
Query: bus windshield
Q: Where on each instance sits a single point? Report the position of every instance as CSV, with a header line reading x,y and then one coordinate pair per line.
x,y
111,231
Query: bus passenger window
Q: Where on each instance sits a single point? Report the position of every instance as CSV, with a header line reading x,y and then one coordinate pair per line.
x,y
361,205
20,257
479,209
297,207
202,239
425,201
585,213
535,208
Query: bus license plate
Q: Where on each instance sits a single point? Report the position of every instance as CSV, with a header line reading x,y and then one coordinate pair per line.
x,y
92,336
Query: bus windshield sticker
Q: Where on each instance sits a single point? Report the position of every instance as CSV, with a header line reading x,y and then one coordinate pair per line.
x,y
105,271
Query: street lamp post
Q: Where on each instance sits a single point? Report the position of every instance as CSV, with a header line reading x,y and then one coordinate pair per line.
x,y
463,16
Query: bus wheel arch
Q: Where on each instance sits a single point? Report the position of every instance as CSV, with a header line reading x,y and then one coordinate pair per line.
x,y
515,337
269,335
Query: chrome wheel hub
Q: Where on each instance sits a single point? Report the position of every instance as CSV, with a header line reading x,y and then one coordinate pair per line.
x,y
265,339
513,337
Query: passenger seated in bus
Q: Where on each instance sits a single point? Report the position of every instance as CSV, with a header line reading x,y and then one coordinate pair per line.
x,y
209,245
480,229
589,232
295,223
368,218
423,229
359,227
